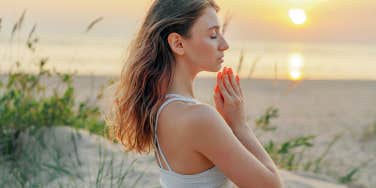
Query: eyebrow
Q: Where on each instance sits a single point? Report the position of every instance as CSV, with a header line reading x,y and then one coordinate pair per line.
x,y
214,27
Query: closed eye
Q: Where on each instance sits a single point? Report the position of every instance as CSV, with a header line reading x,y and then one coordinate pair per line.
x,y
213,37
214,34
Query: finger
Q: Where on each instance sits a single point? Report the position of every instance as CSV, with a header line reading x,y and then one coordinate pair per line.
x,y
229,70
217,98
233,82
216,90
224,70
227,83
224,77
221,86
224,73
238,82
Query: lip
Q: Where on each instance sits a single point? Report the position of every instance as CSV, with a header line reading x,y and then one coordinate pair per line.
x,y
221,59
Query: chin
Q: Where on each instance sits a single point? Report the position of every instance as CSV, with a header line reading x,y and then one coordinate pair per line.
x,y
219,68
214,67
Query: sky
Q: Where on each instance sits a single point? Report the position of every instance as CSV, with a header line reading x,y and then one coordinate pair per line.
x,y
263,20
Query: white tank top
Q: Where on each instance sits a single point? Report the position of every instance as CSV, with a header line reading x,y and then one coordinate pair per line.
x,y
210,178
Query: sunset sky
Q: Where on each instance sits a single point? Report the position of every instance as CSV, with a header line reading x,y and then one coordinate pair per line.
x,y
327,20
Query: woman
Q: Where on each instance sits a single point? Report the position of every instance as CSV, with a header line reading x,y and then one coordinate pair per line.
x,y
195,145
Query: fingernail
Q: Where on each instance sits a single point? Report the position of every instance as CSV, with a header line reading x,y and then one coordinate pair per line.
x,y
216,89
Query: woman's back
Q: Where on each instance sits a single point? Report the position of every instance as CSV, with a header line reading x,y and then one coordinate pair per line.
x,y
182,165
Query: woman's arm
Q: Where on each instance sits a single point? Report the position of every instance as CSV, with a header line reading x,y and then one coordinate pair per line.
x,y
229,102
246,136
210,135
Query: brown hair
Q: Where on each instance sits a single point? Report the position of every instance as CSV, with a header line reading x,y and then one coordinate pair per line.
x,y
148,70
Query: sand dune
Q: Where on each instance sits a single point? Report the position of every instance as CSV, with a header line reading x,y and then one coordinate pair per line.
x,y
90,160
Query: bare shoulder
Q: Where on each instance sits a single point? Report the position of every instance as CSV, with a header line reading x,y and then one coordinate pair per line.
x,y
201,114
201,111
194,119
203,120
189,116
191,113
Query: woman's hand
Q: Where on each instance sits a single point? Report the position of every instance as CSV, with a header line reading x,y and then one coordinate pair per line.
x,y
228,98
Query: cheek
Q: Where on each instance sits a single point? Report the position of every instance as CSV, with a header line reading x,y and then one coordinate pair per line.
x,y
203,51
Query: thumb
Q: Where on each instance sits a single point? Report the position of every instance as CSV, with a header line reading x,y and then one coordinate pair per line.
x,y
218,91
217,99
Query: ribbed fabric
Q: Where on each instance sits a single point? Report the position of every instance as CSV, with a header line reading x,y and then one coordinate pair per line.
x,y
211,178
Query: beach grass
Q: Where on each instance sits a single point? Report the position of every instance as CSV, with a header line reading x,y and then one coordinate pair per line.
x,y
369,131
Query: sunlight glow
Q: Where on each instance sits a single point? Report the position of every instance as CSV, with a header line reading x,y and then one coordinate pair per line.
x,y
295,75
296,62
297,16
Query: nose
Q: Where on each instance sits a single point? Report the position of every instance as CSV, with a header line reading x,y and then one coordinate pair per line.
x,y
223,45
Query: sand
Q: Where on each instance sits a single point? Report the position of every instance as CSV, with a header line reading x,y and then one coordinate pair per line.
x,y
321,108
86,160
326,109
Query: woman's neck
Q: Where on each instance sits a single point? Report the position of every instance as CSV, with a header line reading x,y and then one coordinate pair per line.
x,y
182,83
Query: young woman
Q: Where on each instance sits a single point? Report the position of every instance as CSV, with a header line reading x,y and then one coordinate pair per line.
x,y
196,145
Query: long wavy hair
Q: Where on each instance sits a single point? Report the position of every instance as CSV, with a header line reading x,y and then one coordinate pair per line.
x,y
148,70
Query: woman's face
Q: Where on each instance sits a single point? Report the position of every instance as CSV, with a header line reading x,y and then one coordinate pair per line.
x,y
205,48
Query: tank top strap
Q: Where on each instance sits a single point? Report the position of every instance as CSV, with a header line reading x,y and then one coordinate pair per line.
x,y
170,98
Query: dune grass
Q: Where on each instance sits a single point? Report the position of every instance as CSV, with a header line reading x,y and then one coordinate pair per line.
x,y
27,110
369,132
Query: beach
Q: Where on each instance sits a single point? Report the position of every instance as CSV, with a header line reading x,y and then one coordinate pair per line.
x,y
309,85
324,108
327,109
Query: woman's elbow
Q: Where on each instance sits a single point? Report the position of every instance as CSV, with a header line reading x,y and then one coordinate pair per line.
x,y
273,180
276,181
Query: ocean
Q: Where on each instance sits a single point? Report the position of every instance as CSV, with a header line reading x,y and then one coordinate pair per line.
x,y
100,56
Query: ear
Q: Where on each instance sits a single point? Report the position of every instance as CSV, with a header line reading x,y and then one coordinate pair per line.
x,y
176,43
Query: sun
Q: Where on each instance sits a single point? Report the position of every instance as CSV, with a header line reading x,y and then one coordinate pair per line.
x,y
297,16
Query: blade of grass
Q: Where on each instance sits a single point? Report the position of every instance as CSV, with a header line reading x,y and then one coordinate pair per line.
x,y
93,23
240,63
275,74
253,67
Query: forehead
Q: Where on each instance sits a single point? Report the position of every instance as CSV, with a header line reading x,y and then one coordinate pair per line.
x,y
207,20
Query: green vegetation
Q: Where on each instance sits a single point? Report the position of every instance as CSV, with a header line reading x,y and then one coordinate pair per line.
x,y
289,154
24,103
30,155
369,132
